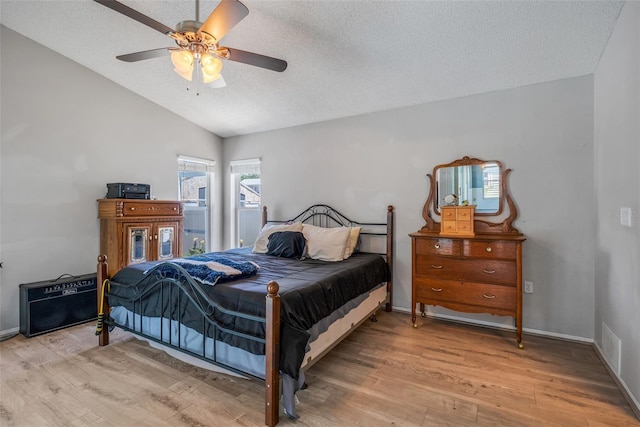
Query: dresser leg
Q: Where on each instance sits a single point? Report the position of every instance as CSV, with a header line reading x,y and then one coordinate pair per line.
x,y
519,334
413,314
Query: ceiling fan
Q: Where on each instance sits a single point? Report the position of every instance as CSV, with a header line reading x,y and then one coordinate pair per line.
x,y
197,51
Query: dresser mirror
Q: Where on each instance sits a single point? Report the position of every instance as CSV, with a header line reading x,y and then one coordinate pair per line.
x,y
476,182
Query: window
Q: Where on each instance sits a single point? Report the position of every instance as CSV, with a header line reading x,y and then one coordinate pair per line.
x,y
491,179
245,202
195,180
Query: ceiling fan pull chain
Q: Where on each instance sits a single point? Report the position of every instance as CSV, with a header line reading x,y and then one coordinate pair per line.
x,y
197,71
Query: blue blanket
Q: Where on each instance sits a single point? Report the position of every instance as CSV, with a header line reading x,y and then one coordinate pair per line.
x,y
212,268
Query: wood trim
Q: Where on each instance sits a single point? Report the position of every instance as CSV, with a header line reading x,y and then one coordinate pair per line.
x,y
390,228
426,209
103,304
272,356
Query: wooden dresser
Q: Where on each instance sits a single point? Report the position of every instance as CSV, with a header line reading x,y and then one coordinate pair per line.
x,y
470,260
480,274
133,231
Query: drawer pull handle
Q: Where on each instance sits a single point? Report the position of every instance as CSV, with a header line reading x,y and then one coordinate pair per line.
x,y
489,271
489,296
436,289
437,245
156,237
488,249
439,266
133,209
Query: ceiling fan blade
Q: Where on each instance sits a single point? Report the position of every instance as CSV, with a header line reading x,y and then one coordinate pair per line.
x,y
145,54
223,18
257,60
134,14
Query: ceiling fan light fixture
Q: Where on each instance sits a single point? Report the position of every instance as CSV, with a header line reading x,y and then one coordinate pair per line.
x,y
182,60
211,67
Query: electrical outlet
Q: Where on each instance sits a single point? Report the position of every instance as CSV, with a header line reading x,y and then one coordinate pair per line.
x,y
528,287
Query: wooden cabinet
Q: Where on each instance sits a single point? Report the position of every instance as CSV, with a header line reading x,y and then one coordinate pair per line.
x,y
133,231
457,220
481,274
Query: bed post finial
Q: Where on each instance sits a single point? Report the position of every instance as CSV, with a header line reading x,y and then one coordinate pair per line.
x,y
272,353
272,289
264,216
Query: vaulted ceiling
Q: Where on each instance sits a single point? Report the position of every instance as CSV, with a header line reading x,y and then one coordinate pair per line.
x,y
345,58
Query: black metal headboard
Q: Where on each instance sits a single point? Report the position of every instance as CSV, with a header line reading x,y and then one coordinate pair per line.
x,y
325,216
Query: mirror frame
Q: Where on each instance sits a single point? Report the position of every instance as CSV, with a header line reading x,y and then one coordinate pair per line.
x,y
481,225
467,161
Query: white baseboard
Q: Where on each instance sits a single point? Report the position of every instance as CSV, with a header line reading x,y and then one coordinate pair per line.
x,y
500,326
9,333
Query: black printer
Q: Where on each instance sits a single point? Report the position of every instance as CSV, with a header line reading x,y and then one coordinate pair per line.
x,y
121,190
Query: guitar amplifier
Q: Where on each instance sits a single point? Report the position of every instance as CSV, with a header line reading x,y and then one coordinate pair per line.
x,y
55,304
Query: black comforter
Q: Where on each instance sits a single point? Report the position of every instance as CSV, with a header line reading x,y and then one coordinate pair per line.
x,y
310,290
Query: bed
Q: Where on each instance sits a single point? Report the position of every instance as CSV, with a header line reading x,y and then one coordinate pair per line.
x,y
266,313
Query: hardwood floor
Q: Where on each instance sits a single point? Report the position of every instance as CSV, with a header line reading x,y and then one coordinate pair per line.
x,y
385,373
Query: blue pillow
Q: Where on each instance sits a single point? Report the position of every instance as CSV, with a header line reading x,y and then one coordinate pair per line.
x,y
287,244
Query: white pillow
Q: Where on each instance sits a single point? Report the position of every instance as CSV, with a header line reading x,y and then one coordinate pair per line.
x,y
352,241
260,246
326,244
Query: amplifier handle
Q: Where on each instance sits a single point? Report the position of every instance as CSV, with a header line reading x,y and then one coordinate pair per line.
x,y
61,276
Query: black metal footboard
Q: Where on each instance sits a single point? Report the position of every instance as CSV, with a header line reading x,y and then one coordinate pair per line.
x,y
170,297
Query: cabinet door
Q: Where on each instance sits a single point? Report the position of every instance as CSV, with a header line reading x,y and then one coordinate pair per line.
x,y
166,240
137,243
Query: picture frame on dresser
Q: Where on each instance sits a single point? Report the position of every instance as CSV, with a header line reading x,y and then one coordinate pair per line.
x,y
478,269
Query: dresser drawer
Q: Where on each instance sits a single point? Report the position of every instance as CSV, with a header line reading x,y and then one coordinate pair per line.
x,y
438,267
469,294
490,249
494,296
436,246
449,226
436,289
483,270
464,214
465,227
149,209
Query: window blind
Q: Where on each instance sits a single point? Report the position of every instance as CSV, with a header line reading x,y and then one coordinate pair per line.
x,y
186,163
245,167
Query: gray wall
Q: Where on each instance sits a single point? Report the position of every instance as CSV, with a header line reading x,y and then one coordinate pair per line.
x,y
617,183
66,132
361,164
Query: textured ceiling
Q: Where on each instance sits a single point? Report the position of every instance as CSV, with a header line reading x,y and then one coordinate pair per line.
x,y
345,57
